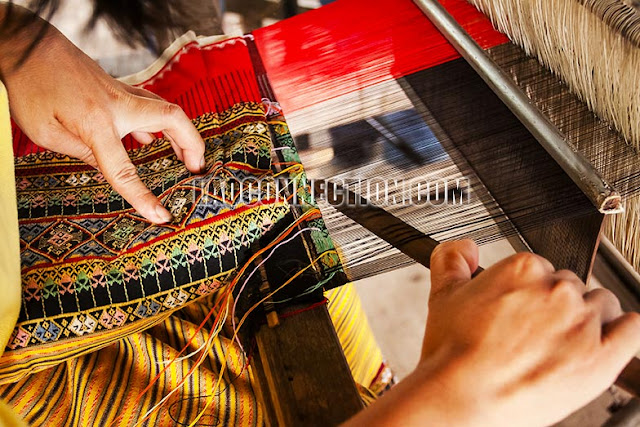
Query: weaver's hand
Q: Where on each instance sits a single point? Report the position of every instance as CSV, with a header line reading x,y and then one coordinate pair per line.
x,y
519,345
66,103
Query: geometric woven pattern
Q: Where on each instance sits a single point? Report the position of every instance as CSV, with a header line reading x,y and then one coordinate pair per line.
x,y
93,270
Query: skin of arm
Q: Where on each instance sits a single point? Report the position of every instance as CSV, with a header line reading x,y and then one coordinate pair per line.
x,y
519,345
65,102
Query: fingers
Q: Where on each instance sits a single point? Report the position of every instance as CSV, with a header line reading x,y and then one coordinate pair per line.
x,y
605,303
177,149
143,138
526,264
569,277
621,341
602,301
63,141
452,264
620,332
115,165
151,115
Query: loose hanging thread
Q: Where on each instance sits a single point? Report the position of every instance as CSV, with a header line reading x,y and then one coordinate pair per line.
x,y
221,314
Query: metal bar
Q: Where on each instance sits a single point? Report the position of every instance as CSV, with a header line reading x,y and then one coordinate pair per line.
x,y
623,270
596,188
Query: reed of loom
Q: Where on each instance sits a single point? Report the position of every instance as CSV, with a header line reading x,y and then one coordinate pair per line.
x,y
599,68
594,47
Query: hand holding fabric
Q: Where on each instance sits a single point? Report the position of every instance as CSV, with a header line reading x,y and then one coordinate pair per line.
x,y
65,102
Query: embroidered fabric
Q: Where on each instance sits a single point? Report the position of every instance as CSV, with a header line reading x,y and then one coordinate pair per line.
x,y
94,271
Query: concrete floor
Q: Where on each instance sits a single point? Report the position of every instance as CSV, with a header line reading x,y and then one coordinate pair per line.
x,y
395,302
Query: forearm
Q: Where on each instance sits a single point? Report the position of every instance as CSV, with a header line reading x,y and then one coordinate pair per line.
x,y
19,30
429,396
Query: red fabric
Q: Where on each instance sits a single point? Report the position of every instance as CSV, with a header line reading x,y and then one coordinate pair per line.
x,y
196,82
352,44
322,54
205,79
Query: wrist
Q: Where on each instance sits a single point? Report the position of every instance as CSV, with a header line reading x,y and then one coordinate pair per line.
x,y
20,29
447,392
441,391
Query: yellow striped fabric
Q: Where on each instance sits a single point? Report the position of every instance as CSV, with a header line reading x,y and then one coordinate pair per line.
x,y
359,344
102,388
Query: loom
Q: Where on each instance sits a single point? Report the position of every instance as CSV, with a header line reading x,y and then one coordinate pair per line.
x,y
544,127
397,90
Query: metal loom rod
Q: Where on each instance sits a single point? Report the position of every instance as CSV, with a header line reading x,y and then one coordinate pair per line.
x,y
586,177
419,246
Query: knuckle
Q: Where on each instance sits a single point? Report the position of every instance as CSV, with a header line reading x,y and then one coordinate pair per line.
x,y
445,248
607,295
441,247
125,174
443,251
171,111
569,275
524,262
566,290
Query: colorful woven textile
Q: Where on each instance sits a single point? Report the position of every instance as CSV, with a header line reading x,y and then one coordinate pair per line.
x,y
107,387
94,271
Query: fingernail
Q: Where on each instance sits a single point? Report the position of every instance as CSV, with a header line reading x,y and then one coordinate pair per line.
x,y
163,214
203,165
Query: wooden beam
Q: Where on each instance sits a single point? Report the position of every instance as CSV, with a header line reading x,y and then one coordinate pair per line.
x,y
301,373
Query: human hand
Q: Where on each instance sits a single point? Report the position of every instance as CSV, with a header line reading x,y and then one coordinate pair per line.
x,y
519,345
63,101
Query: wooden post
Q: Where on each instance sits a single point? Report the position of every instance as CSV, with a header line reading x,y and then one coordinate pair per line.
x,y
301,373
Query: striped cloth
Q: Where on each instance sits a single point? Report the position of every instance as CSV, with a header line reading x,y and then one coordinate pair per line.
x,y
106,387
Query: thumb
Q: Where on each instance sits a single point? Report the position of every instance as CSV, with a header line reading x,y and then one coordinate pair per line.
x,y
452,264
